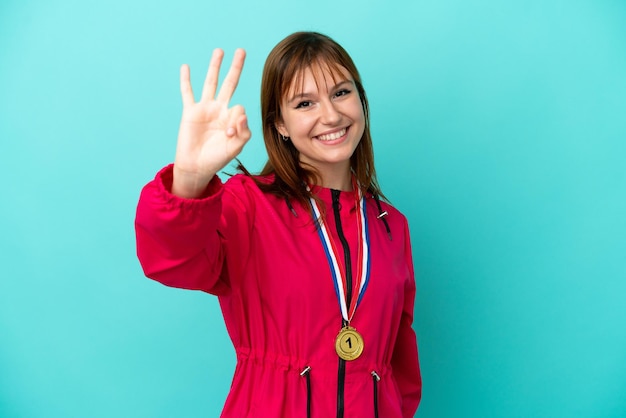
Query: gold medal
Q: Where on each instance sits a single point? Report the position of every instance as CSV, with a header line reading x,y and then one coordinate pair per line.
x,y
349,343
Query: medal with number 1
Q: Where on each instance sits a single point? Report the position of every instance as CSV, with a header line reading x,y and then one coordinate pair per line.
x,y
349,343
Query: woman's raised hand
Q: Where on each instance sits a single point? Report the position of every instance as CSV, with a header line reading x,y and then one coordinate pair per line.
x,y
211,134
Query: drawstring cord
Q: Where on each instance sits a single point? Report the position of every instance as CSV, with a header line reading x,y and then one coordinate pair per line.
x,y
291,207
381,215
375,379
307,374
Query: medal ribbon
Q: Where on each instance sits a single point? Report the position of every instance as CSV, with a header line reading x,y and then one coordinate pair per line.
x,y
332,255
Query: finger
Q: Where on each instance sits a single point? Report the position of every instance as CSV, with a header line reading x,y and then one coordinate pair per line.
x,y
212,75
233,116
186,92
232,78
243,131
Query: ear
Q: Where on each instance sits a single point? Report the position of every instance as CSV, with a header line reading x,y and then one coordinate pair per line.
x,y
280,127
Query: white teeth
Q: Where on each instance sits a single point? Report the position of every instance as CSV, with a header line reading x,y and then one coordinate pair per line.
x,y
333,136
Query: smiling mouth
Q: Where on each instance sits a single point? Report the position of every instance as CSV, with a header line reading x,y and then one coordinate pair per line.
x,y
333,136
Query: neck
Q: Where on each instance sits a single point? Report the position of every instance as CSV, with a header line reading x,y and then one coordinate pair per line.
x,y
344,186
338,179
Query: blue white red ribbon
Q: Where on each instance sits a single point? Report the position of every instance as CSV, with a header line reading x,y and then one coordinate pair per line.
x,y
363,260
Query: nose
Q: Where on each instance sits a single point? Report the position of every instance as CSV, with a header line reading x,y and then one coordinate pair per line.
x,y
330,115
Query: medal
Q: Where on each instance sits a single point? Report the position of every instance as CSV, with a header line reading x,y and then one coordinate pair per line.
x,y
349,343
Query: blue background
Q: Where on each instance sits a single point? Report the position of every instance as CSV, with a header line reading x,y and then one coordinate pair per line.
x,y
500,131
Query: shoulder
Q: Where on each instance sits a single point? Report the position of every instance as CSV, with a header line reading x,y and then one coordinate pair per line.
x,y
245,182
245,188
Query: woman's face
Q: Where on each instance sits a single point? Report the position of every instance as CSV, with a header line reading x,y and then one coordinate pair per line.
x,y
324,118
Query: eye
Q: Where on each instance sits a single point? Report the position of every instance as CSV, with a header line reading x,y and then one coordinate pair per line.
x,y
303,105
343,92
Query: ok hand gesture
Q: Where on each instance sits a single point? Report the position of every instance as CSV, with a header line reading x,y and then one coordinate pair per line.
x,y
211,134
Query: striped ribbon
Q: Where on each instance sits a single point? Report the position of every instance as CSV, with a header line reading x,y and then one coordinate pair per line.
x,y
363,261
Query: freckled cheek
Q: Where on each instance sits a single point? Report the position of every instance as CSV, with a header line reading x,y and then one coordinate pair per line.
x,y
355,111
306,126
301,125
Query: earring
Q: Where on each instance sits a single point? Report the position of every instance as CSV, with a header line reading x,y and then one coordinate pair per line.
x,y
284,138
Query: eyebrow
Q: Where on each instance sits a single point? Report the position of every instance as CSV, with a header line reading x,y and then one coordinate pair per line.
x,y
306,94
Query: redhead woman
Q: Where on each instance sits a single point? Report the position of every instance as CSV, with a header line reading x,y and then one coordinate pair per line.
x,y
312,269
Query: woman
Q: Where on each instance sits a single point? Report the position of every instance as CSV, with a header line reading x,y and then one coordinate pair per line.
x,y
313,272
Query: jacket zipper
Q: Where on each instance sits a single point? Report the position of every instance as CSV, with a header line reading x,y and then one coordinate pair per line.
x,y
306,373
375,379
341,375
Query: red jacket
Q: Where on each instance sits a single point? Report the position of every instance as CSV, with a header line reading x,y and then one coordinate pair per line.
x,y
268,268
